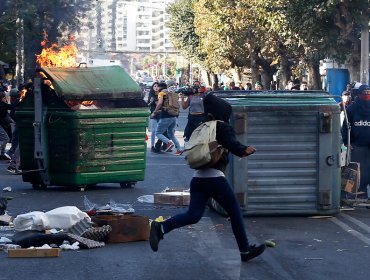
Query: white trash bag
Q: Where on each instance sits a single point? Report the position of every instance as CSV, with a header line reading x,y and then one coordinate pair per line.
x,y
61,218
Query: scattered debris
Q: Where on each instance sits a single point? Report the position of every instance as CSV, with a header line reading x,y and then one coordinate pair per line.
x,y
67,246
111,207
125,228
62,217
34,253
317,240
320,217
5,240
3,205
146,198
172,197
314,259
270,243
5,220
7,189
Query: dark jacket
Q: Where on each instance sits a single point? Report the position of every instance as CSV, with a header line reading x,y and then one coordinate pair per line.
x,y
359,119
153,104
218,109
5,119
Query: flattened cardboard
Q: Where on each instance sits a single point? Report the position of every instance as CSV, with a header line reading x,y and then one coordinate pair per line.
x,y
351,177
33,253
125,228
173,198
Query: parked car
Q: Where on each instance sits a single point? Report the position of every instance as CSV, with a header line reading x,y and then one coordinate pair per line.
x,y
147,82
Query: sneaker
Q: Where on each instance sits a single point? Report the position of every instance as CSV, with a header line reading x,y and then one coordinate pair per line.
x,y
14,170
4,157
154,150
156,235
254,251
169,146
7,156
179,152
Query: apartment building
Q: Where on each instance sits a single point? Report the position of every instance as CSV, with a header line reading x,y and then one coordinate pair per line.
x,y
126,25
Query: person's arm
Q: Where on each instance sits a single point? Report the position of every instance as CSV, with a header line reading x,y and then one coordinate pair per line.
x,y
159,105
225,136
185,104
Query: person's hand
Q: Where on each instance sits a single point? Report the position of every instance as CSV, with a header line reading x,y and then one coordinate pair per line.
x,y
249,151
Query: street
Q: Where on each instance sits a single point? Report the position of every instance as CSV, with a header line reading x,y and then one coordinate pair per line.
x,y
307,248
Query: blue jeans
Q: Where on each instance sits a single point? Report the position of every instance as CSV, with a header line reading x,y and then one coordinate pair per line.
x,y
15,141
169,125
4,139
153,128
201,189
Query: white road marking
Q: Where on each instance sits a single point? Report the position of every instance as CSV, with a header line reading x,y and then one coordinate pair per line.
x,y
352,231
357,222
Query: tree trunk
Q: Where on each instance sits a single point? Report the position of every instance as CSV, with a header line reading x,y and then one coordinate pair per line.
x,y
255,73
285,71
237,75
266,79
215,81
314,79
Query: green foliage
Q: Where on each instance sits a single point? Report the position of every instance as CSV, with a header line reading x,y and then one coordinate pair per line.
x,y
181,25
51,16
224,32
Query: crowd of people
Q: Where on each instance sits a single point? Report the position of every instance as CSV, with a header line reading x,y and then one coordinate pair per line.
x,y
9,100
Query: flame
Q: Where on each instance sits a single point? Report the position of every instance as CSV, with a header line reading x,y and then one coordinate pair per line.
x,y
54,56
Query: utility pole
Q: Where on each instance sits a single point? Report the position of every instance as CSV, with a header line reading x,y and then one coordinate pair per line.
x,y
364,68
20,51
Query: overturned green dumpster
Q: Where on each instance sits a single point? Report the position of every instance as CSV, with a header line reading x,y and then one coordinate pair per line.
x,y
83,126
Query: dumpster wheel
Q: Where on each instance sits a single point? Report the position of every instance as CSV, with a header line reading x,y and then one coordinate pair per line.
x,y
127,185
39,186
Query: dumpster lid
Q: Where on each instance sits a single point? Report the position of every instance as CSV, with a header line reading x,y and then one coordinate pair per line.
x,y
280,98
94,83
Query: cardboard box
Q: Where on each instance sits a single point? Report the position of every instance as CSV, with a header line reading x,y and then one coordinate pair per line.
x,y
33,253
351,177
125,228
172,197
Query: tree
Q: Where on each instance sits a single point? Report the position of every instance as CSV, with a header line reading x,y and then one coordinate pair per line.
x,y
54,17
327,29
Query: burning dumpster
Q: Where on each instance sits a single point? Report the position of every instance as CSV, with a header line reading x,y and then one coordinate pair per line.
x,y
296,169
83,126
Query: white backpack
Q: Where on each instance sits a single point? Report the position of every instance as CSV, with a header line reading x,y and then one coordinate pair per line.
x,y
202,150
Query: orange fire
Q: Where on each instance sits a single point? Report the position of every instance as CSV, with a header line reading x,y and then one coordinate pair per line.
x,y
55,56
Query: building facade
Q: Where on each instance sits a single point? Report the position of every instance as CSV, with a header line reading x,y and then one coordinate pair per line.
x,y
125,26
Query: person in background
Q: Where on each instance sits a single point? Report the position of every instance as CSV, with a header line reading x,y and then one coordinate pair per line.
x,y
258,86
358,114
153,122
240,85
289,85
14,95
248,86
304,86
194,102
167,123
348,90
211,182
5,122
346,97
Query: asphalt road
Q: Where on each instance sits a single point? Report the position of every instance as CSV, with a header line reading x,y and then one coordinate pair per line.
x,y
307,247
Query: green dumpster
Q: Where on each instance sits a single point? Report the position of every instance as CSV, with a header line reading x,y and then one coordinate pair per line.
x,y
83,126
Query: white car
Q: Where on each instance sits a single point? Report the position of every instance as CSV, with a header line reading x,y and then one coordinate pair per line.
x,y
147,82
